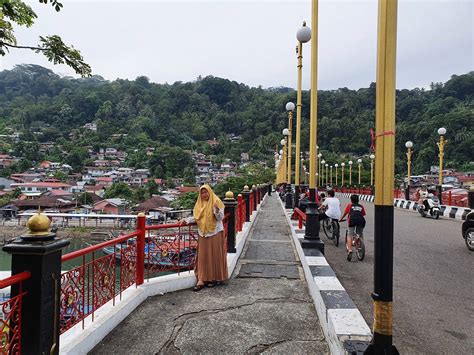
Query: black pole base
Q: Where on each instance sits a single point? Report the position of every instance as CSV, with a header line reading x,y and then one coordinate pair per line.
x,y
407,193
311,237
313,244
289,200
440,195
373,350
297,196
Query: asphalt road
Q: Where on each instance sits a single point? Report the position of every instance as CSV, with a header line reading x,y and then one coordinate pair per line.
x,y
433,282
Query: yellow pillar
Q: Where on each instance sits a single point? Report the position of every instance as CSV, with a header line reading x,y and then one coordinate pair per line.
x,y
313,158
299,51
290,123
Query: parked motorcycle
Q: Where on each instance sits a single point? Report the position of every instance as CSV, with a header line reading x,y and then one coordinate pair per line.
x,y
432,209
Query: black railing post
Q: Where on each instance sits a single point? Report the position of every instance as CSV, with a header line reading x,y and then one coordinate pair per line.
x,y
255,202
269,187
246,195
38,252
289,197
230,208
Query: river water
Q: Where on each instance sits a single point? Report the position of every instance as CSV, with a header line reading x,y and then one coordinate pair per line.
x,y
76,243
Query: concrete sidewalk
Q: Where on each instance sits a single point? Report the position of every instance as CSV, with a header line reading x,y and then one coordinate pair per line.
x,y
264,308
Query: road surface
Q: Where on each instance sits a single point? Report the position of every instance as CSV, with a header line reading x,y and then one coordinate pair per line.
x,y
433,282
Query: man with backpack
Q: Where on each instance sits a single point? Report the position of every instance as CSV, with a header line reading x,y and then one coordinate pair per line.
x,y
355,221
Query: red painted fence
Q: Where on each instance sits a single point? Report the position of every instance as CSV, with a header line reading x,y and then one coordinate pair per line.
x,y
10,323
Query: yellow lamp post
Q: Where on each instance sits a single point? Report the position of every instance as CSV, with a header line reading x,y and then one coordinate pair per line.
x,y
442,142
408,145
303,35
290,106
372,157
311,238
342,173
359,162
327,173
350,173
382,294
323,162
284,160
319,182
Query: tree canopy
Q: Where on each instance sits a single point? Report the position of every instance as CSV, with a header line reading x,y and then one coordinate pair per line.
x,y
16,12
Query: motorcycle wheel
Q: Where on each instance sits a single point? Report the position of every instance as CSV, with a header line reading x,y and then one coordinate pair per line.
x,y
435,214
469,238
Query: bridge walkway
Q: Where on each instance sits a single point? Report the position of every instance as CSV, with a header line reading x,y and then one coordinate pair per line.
x,y
264,308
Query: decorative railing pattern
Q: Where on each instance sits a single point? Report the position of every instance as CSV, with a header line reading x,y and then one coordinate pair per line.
x,y
98,279
10,324
170,248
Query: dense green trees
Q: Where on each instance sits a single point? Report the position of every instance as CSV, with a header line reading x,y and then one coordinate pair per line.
x,y
177,118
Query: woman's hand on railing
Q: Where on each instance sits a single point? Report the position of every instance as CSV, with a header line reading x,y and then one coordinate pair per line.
x,y
182,222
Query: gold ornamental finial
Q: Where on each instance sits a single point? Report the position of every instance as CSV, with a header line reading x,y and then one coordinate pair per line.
x,y
38,224
246,188
229,195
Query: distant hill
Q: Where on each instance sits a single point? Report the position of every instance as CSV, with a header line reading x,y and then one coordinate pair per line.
x,y
47,108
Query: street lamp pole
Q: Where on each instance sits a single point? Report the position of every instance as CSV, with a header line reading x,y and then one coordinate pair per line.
x,y
408,145
303,35
289,194
330,175
342,173
311,238
372,157
350,173
384,176
359,161
327,174
290,106
442,142
336,165
319,182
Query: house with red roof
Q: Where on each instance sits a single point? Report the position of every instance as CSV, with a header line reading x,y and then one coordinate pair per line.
x,y
32,189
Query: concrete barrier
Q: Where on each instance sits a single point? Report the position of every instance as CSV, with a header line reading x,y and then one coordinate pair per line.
x,y
454,212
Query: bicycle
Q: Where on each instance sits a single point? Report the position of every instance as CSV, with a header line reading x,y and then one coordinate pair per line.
x,y
331,229
358,244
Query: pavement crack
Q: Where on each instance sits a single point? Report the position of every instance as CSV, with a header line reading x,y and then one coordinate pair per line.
x,y
260,348
182,318
171,340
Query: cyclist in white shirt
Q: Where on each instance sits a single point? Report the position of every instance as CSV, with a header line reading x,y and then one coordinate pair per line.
x,y
332,207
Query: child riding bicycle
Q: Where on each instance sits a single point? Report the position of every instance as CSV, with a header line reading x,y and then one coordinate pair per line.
x,y
355,221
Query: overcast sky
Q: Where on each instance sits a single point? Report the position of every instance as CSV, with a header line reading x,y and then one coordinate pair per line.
x,y
254,41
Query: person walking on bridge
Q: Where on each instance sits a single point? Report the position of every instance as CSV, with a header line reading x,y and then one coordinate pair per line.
x,y
211,259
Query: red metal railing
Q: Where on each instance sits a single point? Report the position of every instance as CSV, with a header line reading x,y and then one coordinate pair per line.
x,y
101,278
86,288
170,248
10,323
241,213
301,217
251,203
